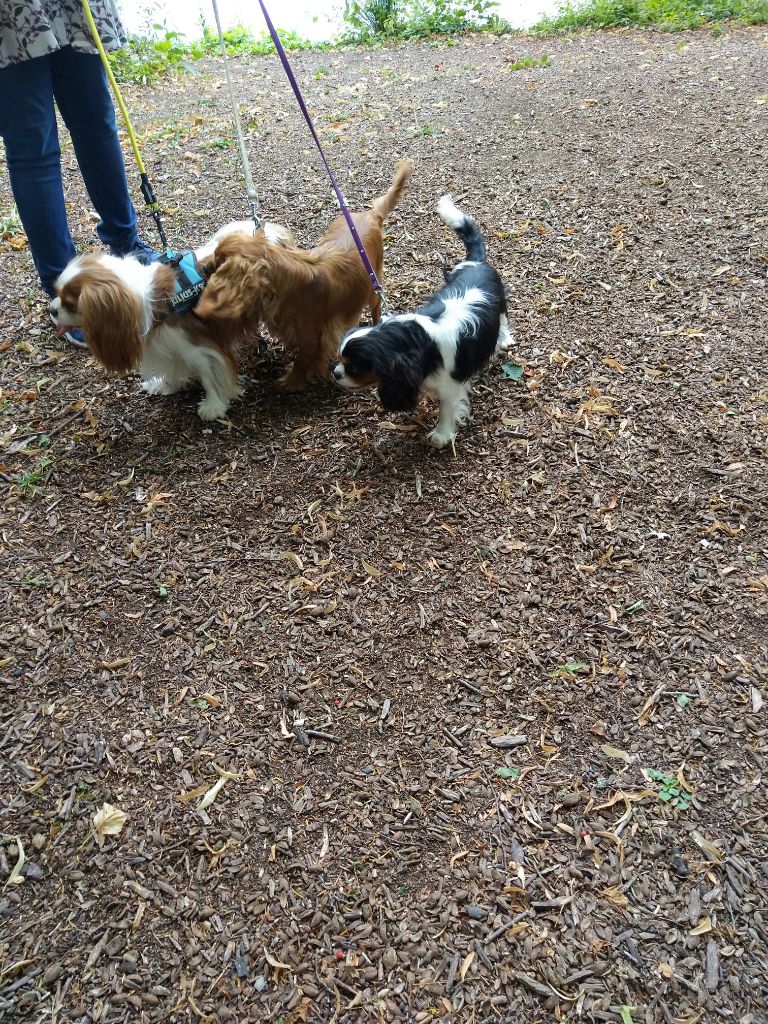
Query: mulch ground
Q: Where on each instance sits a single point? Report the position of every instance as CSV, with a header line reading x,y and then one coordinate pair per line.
x,y
495,716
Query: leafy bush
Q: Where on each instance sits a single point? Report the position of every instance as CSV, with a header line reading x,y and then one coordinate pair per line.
x,y
410,19
144,60
668,14
368,19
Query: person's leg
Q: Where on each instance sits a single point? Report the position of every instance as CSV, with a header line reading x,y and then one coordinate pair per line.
x,y
28,128
82,95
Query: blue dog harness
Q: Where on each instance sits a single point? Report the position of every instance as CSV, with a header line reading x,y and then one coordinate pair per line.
x,y
189,281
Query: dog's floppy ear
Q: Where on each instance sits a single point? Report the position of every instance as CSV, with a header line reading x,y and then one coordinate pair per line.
x,y
231,292
111,317
400,381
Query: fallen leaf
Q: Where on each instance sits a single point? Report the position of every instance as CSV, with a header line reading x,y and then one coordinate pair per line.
x,y
16,877
711,851
466,964
292,557
614,364
512,371
108,821
277,964
616,752
116,664
216,788
615,896
704,926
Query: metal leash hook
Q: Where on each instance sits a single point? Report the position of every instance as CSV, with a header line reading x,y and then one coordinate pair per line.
x,y
153,207
386,312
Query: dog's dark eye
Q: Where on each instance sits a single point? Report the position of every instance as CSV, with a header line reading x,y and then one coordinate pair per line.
x,y
69,306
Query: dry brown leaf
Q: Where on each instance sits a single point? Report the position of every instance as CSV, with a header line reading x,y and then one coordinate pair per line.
x,y
370,569
466,964
714,853
614,364
291,556
704,926
193,794
616,752
615,896
119,663
16,877
217,787
277,964
108,821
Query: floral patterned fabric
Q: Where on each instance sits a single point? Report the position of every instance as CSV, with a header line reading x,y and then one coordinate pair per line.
x,y
32,28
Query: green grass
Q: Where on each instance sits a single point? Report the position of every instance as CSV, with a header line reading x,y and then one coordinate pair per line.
x,y
672,15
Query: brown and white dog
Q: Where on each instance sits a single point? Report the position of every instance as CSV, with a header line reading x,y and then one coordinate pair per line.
x,y
123,308
308,299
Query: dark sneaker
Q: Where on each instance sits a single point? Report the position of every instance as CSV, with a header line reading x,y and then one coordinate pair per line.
x,y
139,250
73,335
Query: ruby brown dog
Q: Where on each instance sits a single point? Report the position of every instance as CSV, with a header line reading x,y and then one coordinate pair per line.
x,y
308,299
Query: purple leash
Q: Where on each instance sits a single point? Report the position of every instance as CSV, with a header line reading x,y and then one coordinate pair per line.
x,y
339,195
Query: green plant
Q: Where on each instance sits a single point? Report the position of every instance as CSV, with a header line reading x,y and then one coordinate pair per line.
x,y
240,41
10,224
144,60
370,20
526,61
30,481
672,790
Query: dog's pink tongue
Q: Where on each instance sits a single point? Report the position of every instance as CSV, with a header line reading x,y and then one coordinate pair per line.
x,y
61,330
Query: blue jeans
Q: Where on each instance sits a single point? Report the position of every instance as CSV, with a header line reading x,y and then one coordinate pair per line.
x,y
76,81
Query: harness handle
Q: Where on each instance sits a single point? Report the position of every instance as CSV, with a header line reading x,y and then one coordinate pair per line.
x,y
336,188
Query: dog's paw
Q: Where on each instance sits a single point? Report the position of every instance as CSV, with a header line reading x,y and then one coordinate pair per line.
x,y
157,386
506,336
439,439
212,408
292,383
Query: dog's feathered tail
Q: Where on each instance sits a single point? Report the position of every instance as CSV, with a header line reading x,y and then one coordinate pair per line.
x,y
385,204
464,227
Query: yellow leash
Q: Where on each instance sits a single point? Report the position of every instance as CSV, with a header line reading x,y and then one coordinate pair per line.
x,y
146,186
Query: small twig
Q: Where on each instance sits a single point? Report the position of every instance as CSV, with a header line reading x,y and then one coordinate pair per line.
x,y
327,736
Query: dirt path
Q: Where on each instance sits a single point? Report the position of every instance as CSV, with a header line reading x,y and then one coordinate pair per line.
x,y
358,625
